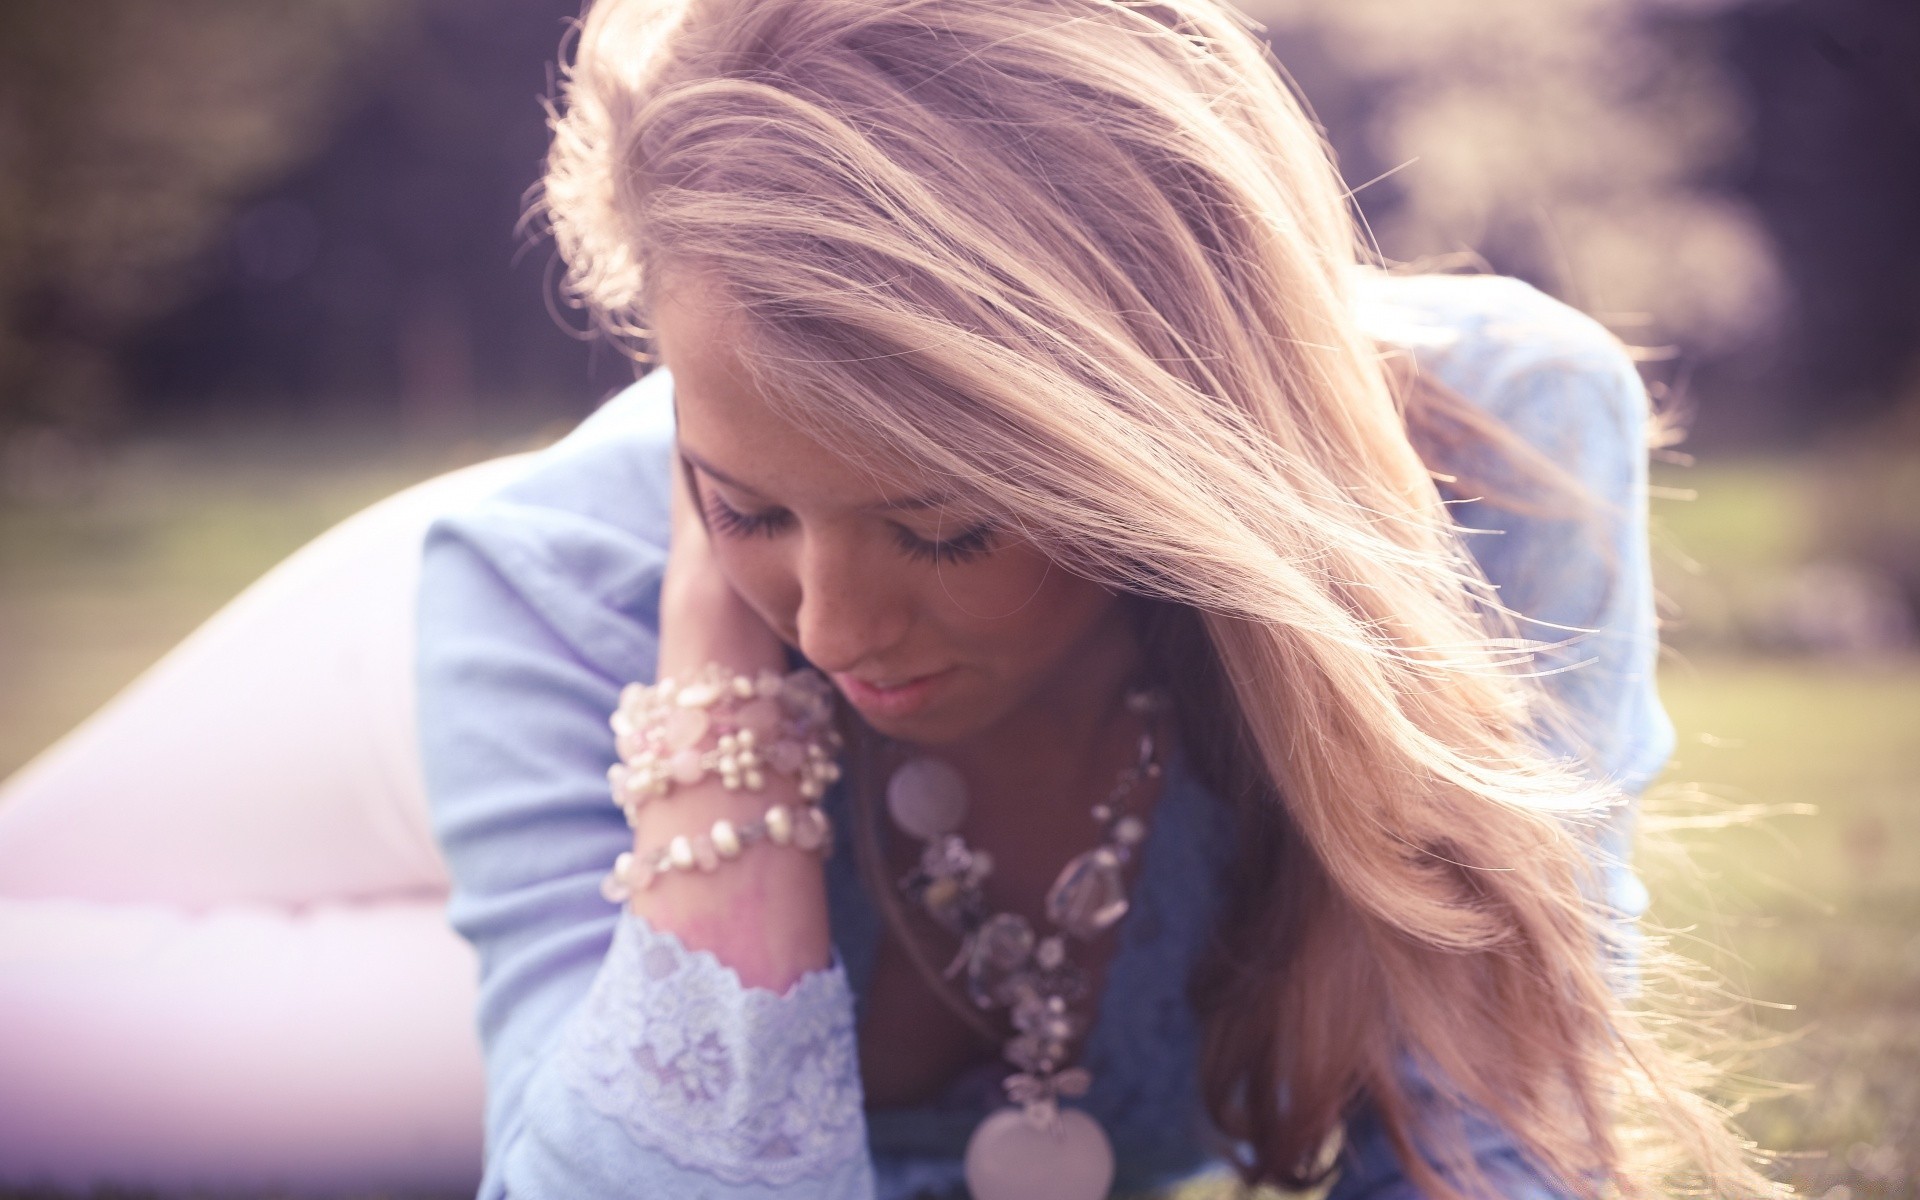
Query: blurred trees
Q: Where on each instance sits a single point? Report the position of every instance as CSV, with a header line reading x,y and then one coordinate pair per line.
x,y
128,131
1833,93
380,284
217,204
1576,142
1737,179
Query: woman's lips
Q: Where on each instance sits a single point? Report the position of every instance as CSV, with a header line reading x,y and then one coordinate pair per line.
x,y
902,699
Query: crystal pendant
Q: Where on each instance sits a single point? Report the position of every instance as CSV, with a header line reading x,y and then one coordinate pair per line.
x,y
1059,1154
1089,897
1004,942
927,798
1000,947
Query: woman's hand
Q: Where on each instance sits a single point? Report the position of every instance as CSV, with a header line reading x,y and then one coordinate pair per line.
x,y
702,619
765,913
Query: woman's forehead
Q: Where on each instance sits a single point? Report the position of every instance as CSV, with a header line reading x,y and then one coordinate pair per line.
x,y
736,427
811,475
738,437
730,427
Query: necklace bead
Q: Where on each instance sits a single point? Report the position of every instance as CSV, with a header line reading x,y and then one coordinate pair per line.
x,y
1013,1157
927,798
1033,1148
1090,897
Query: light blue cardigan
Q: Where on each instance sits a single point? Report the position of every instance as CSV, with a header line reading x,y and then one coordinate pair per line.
x,y
620,1065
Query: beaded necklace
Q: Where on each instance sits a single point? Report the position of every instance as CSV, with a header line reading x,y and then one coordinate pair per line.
x,y
1032,1148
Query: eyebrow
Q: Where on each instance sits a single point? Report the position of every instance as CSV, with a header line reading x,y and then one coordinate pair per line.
x,y
911,503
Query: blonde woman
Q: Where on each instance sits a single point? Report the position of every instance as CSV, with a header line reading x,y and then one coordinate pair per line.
x,y
1238,660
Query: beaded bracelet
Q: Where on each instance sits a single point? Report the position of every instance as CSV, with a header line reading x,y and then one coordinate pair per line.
x,y
804,826
756,722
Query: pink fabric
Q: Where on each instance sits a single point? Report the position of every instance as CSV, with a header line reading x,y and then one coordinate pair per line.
x,y
224,960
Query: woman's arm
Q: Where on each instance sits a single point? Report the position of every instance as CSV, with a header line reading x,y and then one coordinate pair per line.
x,y
1572,391
766,914
620,1061
1585,585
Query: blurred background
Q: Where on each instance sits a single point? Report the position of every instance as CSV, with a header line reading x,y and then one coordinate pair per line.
x,y
259,266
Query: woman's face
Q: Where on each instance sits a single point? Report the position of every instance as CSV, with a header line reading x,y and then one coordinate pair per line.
x,y
935,625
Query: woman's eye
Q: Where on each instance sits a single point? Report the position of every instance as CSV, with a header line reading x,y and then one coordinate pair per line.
x,y
960,548
729,521
734,523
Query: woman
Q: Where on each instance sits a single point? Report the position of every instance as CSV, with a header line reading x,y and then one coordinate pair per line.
x,y
1021,378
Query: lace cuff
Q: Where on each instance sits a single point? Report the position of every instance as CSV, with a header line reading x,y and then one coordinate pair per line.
x,y
735,1082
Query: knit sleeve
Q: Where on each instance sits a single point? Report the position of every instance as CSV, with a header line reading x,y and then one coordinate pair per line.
x,y
618,1062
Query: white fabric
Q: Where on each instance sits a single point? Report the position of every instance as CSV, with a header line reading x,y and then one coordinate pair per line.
x,y
737,1082
224,957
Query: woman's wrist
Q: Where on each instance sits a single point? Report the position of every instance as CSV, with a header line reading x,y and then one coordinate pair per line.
x,y
763,911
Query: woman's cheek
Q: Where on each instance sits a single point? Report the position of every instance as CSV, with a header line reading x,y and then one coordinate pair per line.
x,y
1060,610
1002,598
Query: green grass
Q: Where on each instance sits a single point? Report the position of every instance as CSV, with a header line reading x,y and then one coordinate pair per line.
x,y
1747,516
1816,907
93,590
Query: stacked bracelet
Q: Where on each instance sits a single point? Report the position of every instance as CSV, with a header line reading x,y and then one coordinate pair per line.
x,y
735,726
804,826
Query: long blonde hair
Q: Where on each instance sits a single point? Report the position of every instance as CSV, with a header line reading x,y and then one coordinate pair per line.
x,y
1090,261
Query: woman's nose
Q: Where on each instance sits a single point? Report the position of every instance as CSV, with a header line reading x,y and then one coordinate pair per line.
x,y
850,612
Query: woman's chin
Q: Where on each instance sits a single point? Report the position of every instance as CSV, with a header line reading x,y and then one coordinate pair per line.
x,y
921,729
900,702
943,716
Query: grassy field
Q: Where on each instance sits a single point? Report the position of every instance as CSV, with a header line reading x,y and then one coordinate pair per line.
x,y
1811,909
1816,907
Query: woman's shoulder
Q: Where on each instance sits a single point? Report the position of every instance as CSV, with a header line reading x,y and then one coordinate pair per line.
x,y
1481,323
1481,334
1580,581
575,534
610,468
1548,372
607,479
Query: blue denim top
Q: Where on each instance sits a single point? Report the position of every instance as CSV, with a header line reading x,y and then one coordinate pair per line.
x,y
621,1064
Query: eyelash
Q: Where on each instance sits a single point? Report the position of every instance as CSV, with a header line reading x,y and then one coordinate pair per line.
x,y
961,548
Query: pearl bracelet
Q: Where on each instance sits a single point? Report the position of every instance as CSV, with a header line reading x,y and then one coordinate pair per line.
x,y
756,723
804,826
